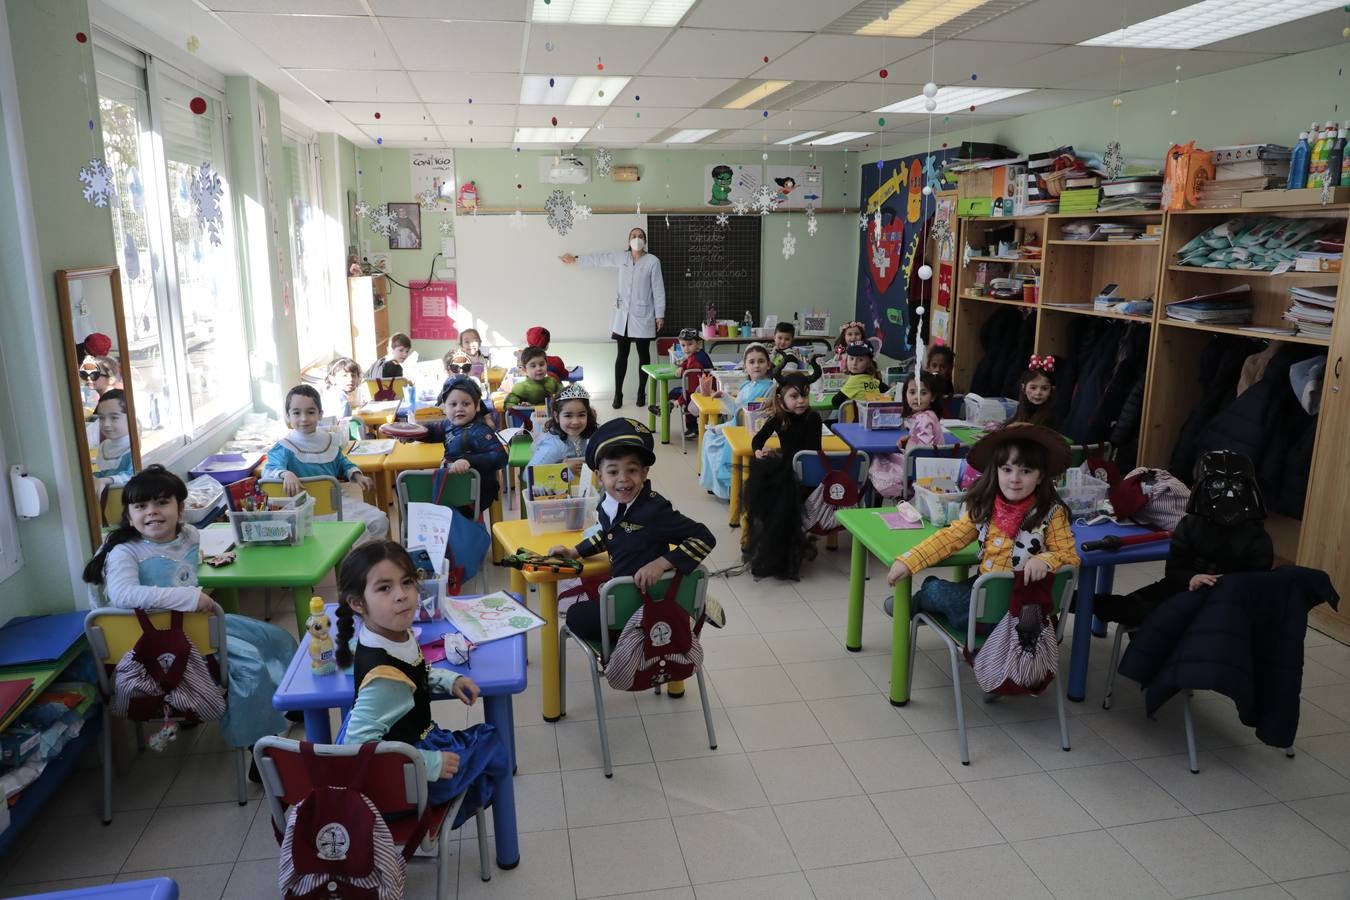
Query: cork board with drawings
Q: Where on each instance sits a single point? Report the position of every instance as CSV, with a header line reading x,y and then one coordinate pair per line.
x,y
705,263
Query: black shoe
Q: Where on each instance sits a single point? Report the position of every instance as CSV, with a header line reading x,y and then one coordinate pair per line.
x,y
295,715
618,401
642,398
691,433
654,410
253,775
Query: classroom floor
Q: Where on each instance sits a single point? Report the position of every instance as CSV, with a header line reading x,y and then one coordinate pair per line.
x,y
818,788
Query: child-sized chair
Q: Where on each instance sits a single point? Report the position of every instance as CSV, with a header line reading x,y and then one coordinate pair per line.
x,y
809,472
518,453
112,633
327,494
396,783
1081,453
989,601
956,452
459,490
619,600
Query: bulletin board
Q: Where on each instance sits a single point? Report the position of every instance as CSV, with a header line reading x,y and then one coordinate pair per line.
x,y
434,311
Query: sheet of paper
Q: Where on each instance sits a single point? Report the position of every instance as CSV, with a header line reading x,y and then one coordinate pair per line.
x,y
215,541
429,527
490,617
372,448
897,522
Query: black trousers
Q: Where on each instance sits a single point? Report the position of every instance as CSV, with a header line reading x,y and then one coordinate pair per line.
x,y
644,351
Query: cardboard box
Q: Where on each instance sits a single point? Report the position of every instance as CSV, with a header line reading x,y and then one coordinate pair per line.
x,y
1298,197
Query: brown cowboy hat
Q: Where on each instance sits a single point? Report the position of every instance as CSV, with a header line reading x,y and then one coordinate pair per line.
x,y
1056,448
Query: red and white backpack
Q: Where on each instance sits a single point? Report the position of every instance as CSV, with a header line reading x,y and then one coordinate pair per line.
x,y
656,645
837,490
165,677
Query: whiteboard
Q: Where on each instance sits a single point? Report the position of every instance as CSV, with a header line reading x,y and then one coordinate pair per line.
x,y
509,279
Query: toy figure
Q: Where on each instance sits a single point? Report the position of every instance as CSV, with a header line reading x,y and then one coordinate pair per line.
x,y
721,186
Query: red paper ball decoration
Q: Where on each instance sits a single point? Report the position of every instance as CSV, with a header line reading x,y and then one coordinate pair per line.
x,y
378,116
883,73
197,105
972,107
81,37
600,66
766,59
554,120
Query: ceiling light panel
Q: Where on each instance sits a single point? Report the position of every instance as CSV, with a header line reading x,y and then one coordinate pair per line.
x,y
953,99
656,13
550,135
758,93
1209,22
798,138
840,137
689,135
569,90
916,17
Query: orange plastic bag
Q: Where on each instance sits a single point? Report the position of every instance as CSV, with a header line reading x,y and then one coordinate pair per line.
x,y
1186,169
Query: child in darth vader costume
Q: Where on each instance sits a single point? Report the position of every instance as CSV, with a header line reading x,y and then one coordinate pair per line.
x,y
1221,533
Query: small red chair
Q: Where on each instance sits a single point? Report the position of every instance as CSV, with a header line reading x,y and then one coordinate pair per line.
x,y
396,783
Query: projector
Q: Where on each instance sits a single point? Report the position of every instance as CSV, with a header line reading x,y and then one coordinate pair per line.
x,y
569,170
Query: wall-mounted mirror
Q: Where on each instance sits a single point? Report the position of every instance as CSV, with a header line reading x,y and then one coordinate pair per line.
x,y
98,371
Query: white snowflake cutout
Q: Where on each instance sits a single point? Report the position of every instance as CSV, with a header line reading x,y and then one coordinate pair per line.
x,y
604,162
382,220
99,188
740,206
428,199
1113,160
811,225
362,209
766,200
559,207
723,220
580,211
862,221
789,244
446,227
518,220
207,192
876,232
639,207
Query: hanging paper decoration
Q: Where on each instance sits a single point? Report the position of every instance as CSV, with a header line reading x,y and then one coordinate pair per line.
x,y
723,219
639,206
919,349
207,192
428,199
1113,160
766,200
811,224
789,243
193,43
468,197
740,206
382,221
862,221
559,208
197,105
604,162
445,227
97,179
518,220
580,211
362,209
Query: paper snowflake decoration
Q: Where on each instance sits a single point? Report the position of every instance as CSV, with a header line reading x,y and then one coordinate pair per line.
x,y
382,221
1326,191
639,207
1113,160
811,225
580,211
740,206
862,221
604,162
876,231
559,207
723,219
446,227
789,244
766,200
518,220
428,199
942,235
99,188
207,192
880,259
362,209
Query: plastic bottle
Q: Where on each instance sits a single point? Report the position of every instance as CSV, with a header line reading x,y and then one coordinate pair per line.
x,y
1335,160
1317,160
322,656
1298,163
1345,163
748,324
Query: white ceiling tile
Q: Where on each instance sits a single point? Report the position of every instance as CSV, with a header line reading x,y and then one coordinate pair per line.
x,y
1161,68
567,116
490,10
657,91
1081,67
577,49
955,61
621,137
752,15
434,45
837,57
296,7
847,98
1036,101
868,122
459,137
1309,33
316,42
1067,21
461,114
721,118
728,54
357,84
655,116
400,135
460,87
803,119
390,113
751,138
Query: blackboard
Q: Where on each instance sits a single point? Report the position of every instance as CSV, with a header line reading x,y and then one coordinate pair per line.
x,y
702,263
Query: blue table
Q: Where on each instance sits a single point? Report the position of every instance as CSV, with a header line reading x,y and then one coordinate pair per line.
x,y
576,373
498,668
150,889
881,441
1095,576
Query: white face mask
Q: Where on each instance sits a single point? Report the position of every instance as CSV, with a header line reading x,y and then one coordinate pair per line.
x,y
638,245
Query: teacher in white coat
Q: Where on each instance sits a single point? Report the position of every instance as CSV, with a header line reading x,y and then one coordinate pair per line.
x,y
639,306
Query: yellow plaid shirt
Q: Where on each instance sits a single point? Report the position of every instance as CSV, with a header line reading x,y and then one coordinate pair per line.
x,y
996,554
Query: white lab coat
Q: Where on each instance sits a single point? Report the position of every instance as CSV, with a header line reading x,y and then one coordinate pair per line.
x,y
641,297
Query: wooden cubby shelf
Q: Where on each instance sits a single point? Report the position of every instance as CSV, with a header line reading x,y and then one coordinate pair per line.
x,y
1239,331
1089,311
1328,277
1003,259
1099,244
999,300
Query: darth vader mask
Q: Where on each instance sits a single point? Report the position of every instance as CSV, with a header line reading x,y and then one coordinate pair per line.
x,y
1225,490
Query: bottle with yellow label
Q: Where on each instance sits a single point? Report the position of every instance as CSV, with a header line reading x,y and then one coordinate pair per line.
x,y
322,656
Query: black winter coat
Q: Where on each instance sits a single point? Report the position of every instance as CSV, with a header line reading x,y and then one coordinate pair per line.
x,y
1242,638
1218,370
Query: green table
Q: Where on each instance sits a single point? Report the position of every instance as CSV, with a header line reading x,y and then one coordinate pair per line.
x,y
299,567
871,534
968,436
662,374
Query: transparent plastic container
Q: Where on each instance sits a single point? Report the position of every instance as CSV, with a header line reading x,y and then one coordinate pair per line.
x,y
938,507
730,382
286,522
568,514
1082,493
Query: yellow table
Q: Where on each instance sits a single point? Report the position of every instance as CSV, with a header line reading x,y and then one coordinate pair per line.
x,y
710,411
511,536
373,466
738,438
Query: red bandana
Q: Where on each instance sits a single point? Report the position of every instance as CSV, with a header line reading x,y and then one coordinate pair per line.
x,y
1008,517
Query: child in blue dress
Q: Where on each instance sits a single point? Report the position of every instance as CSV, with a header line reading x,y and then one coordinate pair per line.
x,y
569,429
306,452
149,561
715,467
112,462
470,442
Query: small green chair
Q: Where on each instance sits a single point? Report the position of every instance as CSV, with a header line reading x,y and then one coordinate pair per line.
x,y
518,453
619,600
989,601
461,489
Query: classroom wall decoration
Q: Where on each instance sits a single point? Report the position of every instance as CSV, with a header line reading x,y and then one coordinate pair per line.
x,y
796,187
433,175
727,184
434,308
890,247
406,225
704,263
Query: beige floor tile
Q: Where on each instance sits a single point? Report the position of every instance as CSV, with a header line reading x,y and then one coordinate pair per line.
x,y
634,793
545,870
780,615
197,881
858,718
1326,887
883,880
251,880
803,773
1089,864
735,651
43,850
208,778
1025,807
634,856
755,687
992,754
1118,794
684,735
982,871
893,764
789,886
776,726
1287,778
935,820
1331,814
579,743
192,836
1285,845
1039,739
933,709
1217,787
1187,857
742,843
712,784
830,678
536,749
836,832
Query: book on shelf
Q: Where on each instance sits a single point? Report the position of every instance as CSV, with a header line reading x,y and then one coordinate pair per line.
x,y
1313,261
1133,185
1101,231
1259,168
1317,296
1232,306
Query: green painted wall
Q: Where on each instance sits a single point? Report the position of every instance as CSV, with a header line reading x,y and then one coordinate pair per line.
x,y
1270,101
55,76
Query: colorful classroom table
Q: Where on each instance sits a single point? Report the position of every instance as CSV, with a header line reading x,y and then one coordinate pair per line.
x,y
299,567
511,536
498,668
879,440
148,889
802,341
710,410
1096,573
872,535
661,375
738,438
575,374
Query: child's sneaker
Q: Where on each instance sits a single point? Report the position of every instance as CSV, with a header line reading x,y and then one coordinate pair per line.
x,y
715,614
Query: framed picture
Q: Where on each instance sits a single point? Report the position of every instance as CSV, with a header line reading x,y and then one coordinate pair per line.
x,y
815,323
407,233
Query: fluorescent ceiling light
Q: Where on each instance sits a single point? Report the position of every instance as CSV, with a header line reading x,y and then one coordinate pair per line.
x,y
756,94
1210,21
798,138
917,17
953,99
550,135
840,136
570,90
661,13
689,135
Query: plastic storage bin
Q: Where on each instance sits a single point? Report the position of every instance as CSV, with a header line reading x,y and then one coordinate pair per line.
x,y
286,522
227,468
568,514
729,382
881,415
1082,493
938,507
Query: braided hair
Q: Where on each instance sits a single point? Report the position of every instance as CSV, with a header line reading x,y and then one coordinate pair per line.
x,y
352,578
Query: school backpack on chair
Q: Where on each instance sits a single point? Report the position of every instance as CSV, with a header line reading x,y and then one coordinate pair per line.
x,y
1021,654
384,392
336,842
837,490
164,676
656,645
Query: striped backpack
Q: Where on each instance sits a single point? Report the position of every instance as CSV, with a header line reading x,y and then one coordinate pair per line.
x,y
656,645
164,677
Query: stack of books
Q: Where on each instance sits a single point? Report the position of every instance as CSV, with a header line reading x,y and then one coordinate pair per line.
x,y
1079,200
1231,307
1132,192
1102,231
1311,310
1153,232
1252,161
1221,193
1325,256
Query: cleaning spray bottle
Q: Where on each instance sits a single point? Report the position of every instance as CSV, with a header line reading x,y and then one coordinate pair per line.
x,y
1298,163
